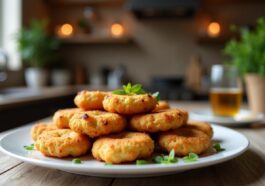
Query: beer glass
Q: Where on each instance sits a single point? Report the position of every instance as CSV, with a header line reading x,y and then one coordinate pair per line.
x,y
226,90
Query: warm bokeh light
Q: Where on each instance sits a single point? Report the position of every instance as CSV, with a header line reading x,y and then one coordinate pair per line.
x,y
65,30
117,30
214,29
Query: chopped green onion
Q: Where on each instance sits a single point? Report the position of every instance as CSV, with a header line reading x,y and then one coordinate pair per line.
x,y
166,159
218,147
172,154
76,161
190,158
141,162
157,159
29,147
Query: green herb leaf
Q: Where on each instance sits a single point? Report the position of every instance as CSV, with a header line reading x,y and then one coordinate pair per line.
x,y
108,164
127,88
171,154
157,96
166,159
130,89
157,159
29,147
190,158
76,161
137,89
141,162
218,147
170,159
119,92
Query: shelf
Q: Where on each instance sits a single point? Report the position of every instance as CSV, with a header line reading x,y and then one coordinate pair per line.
x,y
96,40
212,41
86,2
228,2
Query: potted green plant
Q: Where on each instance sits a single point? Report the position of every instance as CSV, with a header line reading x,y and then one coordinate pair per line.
x,y
37,49
248,55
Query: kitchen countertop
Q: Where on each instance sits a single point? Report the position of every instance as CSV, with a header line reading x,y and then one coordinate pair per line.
x,y
247,169
23,95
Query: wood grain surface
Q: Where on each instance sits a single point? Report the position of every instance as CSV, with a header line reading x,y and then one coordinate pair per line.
x,y
247,169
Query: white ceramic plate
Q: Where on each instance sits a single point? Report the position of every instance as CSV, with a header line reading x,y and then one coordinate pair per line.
x,y
12,144
244,117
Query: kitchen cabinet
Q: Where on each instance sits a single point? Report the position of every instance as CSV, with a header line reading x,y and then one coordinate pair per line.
x,y
18,114
23,105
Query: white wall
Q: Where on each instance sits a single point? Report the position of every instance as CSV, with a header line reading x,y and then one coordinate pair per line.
x,y
161,47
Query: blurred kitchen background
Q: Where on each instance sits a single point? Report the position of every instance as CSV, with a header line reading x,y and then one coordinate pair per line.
x,y
166,45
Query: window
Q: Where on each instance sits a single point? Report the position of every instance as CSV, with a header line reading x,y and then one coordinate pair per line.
x,y
10,23
1,28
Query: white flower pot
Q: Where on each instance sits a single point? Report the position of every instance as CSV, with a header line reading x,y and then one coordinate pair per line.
x,y
60,77
256,92
36,77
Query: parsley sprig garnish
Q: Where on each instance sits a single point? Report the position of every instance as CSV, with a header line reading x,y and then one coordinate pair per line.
x,y
166,159
218,147
29,147
130,89
136,89
190,158
76,161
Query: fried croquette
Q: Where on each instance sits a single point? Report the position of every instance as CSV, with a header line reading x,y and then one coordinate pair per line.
x,y
202,126
162,120
123,147
129,104
90,100
62,117
39,128
97,123
161,105
184,140
62,143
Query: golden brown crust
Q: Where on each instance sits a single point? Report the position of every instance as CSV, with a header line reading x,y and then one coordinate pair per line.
x,y
90,100
161,105
129,104
62,143
184,140
123,147
162,120
39,128
97,123
62,117
202,126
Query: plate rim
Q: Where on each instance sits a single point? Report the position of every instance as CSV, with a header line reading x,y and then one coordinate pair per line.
x,y
196,116
118,169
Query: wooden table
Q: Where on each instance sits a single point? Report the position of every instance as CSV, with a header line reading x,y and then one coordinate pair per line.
x,y
247,169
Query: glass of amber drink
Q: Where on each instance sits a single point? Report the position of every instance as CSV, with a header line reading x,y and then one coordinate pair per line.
x,y
226,91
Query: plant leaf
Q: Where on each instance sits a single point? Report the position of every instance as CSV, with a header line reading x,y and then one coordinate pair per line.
x,y
130,90
119,92
141,162
218,147
157,96
76,161
190,158
29,147
172,154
